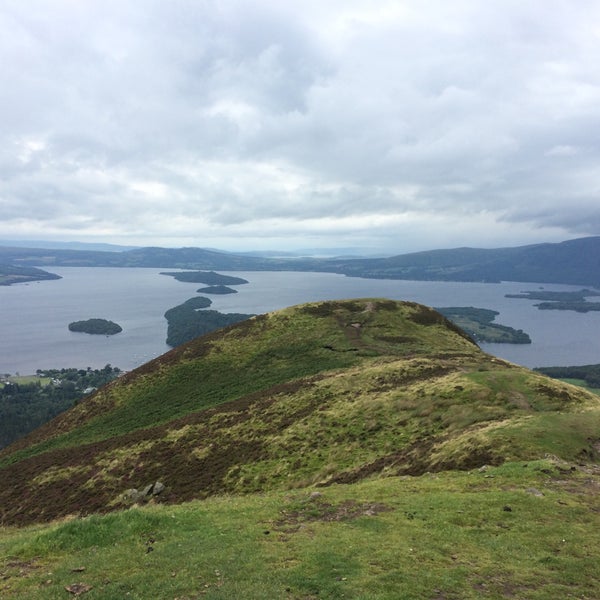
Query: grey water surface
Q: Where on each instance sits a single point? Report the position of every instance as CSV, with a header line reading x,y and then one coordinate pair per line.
x,y
35,316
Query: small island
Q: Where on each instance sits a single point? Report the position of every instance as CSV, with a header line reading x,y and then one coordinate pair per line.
x,y
478,323
206,277
216,289
96,327
553,300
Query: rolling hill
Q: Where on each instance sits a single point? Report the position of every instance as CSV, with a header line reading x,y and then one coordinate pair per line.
x,y
575,262
359,449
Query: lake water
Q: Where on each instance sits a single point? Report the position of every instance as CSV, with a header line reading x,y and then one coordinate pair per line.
x,y
35,316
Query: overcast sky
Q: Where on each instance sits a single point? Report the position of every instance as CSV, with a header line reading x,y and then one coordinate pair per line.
x,y
402,125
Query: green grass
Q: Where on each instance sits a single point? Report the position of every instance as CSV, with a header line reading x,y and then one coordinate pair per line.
x,y
24,379
523,530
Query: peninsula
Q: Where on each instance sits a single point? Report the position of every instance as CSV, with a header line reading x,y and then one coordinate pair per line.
x,y
10,274
478,323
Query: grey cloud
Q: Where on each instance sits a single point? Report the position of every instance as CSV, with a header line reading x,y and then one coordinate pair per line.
x,y
237,113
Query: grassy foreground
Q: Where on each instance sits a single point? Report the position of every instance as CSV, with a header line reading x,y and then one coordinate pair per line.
x,y
522,530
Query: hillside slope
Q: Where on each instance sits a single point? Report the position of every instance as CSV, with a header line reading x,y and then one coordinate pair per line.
x,y
318,394
575,262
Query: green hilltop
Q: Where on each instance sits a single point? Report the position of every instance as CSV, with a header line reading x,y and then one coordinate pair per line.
x,y
347,449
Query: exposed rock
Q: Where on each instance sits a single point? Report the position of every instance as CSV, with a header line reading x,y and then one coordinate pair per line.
x,y
158,488
143,495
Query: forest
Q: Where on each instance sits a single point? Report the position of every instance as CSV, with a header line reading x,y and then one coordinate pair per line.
x,y
28,402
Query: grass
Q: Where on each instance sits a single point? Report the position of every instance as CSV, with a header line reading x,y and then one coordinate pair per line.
x,y
362,449
522,530
25,379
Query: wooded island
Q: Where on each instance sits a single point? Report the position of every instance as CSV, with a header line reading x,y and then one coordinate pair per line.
x,y
96,327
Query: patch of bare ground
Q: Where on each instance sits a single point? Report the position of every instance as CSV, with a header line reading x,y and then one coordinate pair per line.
x,y
14,568
316,508
583,480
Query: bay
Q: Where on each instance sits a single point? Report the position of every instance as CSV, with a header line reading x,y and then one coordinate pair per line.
x,y
35,316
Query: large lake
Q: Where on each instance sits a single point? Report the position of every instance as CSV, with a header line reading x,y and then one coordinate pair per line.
x,y
35,316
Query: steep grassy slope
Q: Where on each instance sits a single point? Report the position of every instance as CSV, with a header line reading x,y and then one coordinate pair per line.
x,y
318,394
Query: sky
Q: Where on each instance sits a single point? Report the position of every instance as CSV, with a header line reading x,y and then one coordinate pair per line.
x,y
244,125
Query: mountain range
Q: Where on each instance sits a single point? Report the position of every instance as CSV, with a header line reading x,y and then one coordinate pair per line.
x,y
575,262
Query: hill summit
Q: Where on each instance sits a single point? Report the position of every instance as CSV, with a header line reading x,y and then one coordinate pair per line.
x,y
314,395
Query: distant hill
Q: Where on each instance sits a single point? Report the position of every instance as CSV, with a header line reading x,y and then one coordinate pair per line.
x,y
575,262
358,449
10,274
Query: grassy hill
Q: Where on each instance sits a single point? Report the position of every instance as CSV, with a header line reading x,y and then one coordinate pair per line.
x,y
352,449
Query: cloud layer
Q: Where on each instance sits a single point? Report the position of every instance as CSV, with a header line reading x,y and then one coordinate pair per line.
x,y
405,125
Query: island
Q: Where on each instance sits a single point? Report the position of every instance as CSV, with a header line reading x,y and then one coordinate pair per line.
x,y
216,289
10,274
96,327
555,300
478,323
187,321
206,277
